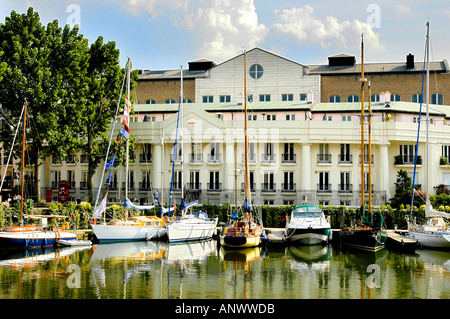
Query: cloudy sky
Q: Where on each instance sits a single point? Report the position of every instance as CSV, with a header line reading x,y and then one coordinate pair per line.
x,y
164,34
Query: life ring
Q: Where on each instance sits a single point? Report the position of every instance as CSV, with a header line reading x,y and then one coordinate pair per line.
x,y
65,225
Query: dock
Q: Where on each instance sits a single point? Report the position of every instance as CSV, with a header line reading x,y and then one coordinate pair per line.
x,y
397,240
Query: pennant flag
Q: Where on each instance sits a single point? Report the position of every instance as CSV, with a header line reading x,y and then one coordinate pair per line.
x,y
110,163
126,114
109,178
100,208
125,133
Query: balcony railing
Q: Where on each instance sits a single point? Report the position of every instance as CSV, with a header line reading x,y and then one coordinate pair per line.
x,y
214,187
251,158
145,158
366,189
407,159
215,158
323,158
345,159
268,158
195,158
288,187
324,188
288,158
268,187
252,187
345,188
194,186
145,186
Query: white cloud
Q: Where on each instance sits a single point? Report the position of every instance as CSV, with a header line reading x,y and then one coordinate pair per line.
x,y
403,9
302,25
222,28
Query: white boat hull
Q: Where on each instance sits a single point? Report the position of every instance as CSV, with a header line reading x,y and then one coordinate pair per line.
x,y
307,237
187,230
126,233
431,240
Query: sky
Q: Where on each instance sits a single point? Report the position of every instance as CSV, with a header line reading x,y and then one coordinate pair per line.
x,y
167,34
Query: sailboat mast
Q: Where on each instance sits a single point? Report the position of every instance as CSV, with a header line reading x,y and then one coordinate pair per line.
x,y
362,80
369,131
127,142
427,184
23,160
181,137
247,170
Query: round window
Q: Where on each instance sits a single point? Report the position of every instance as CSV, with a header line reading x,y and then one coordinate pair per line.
x,y
256,71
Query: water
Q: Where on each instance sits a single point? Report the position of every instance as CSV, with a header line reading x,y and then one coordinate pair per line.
x,y
157,270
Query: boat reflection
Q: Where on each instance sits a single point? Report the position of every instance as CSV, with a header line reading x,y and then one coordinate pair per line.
x,y
137,250
31,258
241,254
309,258
191,251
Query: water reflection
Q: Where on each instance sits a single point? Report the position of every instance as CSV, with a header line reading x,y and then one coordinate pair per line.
x,y
202,270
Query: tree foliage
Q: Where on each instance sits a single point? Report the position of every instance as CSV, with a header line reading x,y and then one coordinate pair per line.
x,y
71,89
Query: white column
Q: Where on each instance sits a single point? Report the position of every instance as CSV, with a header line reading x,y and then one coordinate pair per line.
x,y
383,172
157,161
305,177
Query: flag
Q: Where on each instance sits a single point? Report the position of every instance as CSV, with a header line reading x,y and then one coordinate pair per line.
x,y
100,208
125,133
235,216
109,178
110,163
126,113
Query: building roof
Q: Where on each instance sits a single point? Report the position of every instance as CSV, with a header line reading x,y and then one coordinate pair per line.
x,y
378,68
225,107
171,74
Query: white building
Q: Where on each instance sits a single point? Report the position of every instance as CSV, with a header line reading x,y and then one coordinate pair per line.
x,y
300,149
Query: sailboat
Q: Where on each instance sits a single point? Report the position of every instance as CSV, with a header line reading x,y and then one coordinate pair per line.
x,y
130,228
435,233
32,236
190,226
367,234
245,232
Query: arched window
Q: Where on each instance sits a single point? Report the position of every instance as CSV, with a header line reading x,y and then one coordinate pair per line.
x,y
170,101
437,99
353,98
416,98
395,98
334,99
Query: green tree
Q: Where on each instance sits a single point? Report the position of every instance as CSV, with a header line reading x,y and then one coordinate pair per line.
x,y
402,190
38,64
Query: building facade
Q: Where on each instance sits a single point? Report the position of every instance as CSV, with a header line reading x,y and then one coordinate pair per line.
x,y
303,147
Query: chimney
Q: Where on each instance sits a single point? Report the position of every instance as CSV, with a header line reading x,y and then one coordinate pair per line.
x,y
410,61
309,97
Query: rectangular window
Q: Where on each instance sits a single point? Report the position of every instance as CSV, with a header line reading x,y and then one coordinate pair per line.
x,y
225,98
268,181
287,97
346,118
290,117
196,155
288,155
194,180
344,182
303,96
252,117
344,155
288,182
270,117
264,97
323,185
214,183
208,99
214,155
